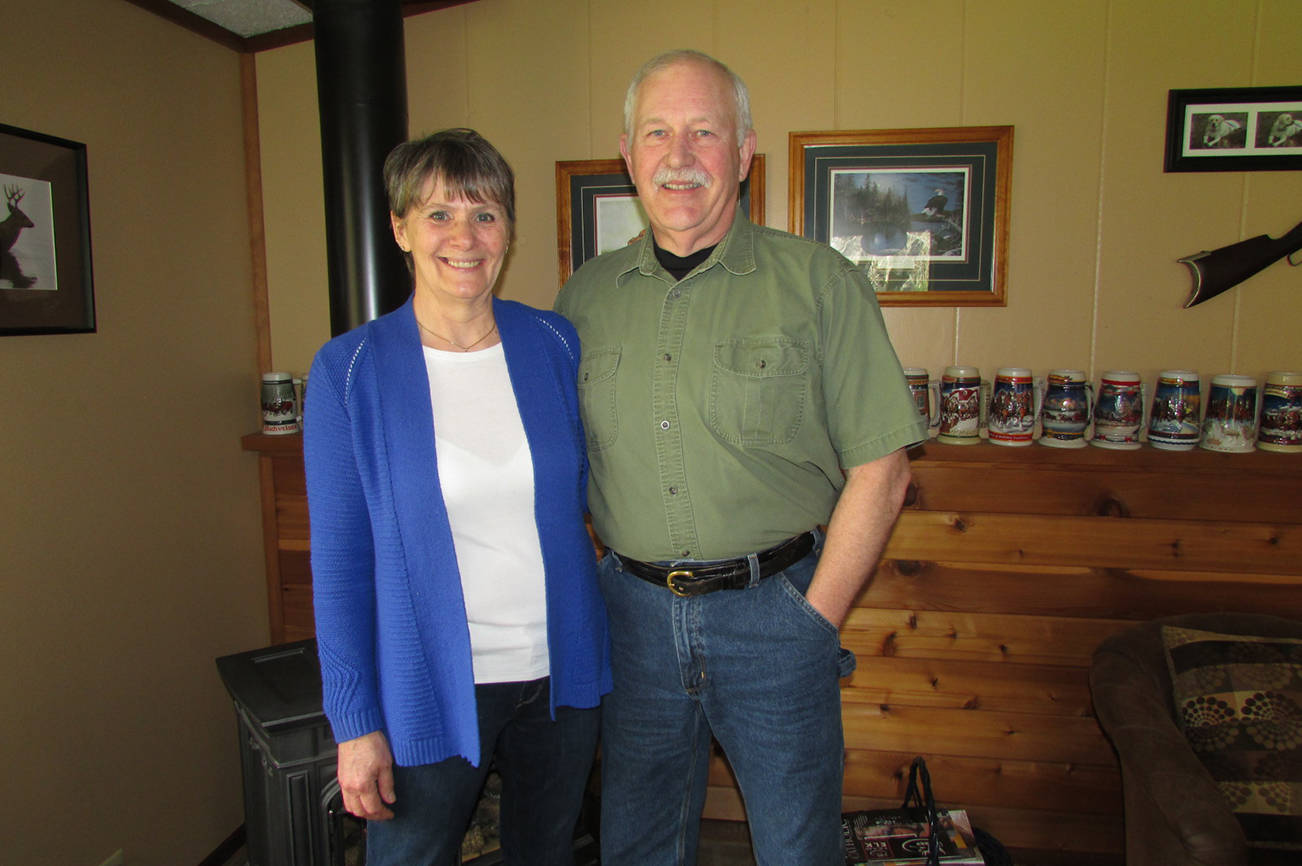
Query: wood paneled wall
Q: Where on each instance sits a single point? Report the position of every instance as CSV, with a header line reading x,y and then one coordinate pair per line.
x,y
1006,569
1004,572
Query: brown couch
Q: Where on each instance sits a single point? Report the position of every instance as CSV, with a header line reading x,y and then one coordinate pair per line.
x,y
1174,813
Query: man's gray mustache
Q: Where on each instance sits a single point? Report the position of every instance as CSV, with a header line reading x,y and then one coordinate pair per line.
x,y
665,175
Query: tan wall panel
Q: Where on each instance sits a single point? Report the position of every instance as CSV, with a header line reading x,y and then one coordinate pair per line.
x,y
1045,77
531,114
438,70
623,36
1084,86
785,53
1150,218
293,204
900,65
130,552
1265,308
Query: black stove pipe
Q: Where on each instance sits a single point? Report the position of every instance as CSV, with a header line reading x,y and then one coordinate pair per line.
x,y
361,76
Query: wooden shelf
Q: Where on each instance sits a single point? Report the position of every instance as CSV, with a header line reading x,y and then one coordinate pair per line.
x,y
1005,570
1146,458
280,443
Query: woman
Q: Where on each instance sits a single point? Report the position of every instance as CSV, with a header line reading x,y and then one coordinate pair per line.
x,y
457,613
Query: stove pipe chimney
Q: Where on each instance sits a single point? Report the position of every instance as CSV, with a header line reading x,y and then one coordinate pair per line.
x,y
362,94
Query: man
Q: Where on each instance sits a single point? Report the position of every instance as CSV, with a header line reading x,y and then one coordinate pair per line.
x,y
730,372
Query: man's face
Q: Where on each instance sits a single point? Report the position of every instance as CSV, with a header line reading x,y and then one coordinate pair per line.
x,y
683,155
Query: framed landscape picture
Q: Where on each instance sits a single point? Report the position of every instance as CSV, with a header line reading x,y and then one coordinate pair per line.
x,y
924,212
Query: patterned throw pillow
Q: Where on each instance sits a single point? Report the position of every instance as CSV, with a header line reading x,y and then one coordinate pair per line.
x,y
1238,700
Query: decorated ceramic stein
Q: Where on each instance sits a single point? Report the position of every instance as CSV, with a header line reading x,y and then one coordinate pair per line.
x,y
926,394
1014,405
279,406
1230,423
960,406
1281,413
1173,423
1065,410
1119,410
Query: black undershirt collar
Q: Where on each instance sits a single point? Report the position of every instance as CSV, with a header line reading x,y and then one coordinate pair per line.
x,y
680,266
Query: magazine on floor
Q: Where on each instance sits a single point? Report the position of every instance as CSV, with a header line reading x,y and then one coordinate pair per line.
x,y
899,837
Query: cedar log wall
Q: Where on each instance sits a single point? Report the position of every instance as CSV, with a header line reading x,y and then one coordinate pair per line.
x,y
1005,570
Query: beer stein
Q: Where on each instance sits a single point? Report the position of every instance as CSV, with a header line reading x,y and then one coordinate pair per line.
x,y
1230,423
1281,413
960,406
1014,405
1065,409
279,407
926,394
1119,410
1173,423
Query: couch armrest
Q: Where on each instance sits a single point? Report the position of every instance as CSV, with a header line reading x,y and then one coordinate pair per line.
x,y
1174,811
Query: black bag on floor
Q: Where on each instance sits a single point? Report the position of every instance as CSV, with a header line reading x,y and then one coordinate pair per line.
x,y
918,829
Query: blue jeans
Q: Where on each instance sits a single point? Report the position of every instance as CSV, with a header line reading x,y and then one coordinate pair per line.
x,y
757,668
544,766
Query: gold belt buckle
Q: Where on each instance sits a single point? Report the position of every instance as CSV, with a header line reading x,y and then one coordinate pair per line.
x,y
669,582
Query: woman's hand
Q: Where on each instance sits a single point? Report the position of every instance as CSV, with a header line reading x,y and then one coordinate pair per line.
x,y
366,776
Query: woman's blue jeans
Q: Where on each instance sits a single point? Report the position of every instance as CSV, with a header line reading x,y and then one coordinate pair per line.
x,y
544,766
757,668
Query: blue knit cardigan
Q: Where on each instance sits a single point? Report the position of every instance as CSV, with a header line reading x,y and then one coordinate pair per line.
x,y
390,617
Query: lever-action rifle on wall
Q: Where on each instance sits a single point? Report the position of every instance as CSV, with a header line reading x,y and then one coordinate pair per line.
x,y
1215,271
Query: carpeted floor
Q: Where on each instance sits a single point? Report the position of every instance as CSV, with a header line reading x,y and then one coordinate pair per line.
x,y
723,843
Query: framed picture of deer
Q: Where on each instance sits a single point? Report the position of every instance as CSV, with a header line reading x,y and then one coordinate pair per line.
x,y
45,266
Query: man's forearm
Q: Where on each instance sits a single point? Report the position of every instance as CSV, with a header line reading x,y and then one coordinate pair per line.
x,y
857,533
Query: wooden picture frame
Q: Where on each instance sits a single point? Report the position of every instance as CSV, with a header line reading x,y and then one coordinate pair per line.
x,y
924,212
46,285
1234,129
597,209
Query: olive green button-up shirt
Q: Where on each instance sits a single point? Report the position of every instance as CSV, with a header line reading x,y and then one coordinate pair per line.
x,y
720,409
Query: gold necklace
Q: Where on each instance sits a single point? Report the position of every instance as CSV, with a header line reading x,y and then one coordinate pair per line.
x,y
434,333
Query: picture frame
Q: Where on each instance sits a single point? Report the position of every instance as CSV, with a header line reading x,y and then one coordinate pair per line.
x,y
597,209
924,212
46,283
1234,129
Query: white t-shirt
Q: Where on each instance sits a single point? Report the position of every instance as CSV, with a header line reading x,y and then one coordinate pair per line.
x,y
486,474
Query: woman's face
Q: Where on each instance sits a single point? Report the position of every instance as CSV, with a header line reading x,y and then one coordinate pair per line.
x,y
456,245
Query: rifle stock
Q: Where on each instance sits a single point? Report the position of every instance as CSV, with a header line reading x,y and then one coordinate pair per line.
x,y
1214,271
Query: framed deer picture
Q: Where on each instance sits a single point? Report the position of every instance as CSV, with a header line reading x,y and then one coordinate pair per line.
x,y
45,266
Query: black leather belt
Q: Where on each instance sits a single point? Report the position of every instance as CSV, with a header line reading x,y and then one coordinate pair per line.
x,y
690,579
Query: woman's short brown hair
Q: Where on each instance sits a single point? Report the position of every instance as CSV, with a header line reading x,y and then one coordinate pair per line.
x,y
462,159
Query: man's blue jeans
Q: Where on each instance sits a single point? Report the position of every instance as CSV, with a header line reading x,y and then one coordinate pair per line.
x,y
544,766
758,668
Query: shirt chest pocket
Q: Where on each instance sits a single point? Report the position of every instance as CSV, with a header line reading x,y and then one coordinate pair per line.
x,y
597,396
758,389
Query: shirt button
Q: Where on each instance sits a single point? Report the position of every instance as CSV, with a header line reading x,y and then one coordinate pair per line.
x,y
686,553
675,293
664,425
673,491
668,357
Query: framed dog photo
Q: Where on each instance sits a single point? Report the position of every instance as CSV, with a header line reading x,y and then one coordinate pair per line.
x,y
924,212
597,208
1234,129
45,267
